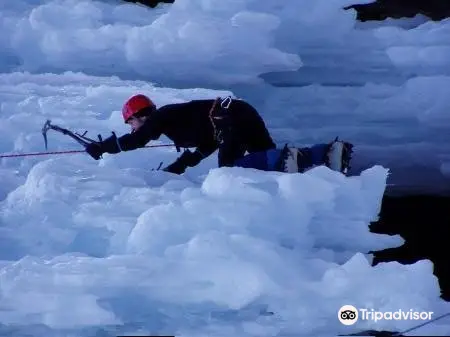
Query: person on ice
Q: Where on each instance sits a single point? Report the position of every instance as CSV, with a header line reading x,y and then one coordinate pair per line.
x,y
231,126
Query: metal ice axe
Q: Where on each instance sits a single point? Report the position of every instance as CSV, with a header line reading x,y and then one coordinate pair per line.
x,y
82,139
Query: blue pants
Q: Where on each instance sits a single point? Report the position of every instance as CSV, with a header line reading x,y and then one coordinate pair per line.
x,y
271,160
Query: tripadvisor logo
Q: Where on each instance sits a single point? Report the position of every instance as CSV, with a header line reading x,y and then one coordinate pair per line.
x,y
349,315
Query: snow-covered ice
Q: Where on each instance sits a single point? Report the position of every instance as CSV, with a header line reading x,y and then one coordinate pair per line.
x,y
110,247
113,245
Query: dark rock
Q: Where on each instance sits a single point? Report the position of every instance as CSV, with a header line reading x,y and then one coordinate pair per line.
x,y
375,333
382,9
377,10
151,3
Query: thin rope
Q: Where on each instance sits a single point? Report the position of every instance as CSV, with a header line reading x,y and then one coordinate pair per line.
x,y
13,155
38,153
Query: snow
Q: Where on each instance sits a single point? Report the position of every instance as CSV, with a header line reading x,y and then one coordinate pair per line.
x,y
111,247
97,37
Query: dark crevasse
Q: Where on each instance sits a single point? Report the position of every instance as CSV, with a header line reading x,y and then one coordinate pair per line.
x,y
424,222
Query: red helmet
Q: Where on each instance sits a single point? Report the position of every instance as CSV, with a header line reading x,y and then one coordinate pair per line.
x,y
135,104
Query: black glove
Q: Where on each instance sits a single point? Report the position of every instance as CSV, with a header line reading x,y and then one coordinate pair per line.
x,y
177,167
95,150
109,145
191,159
187,159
